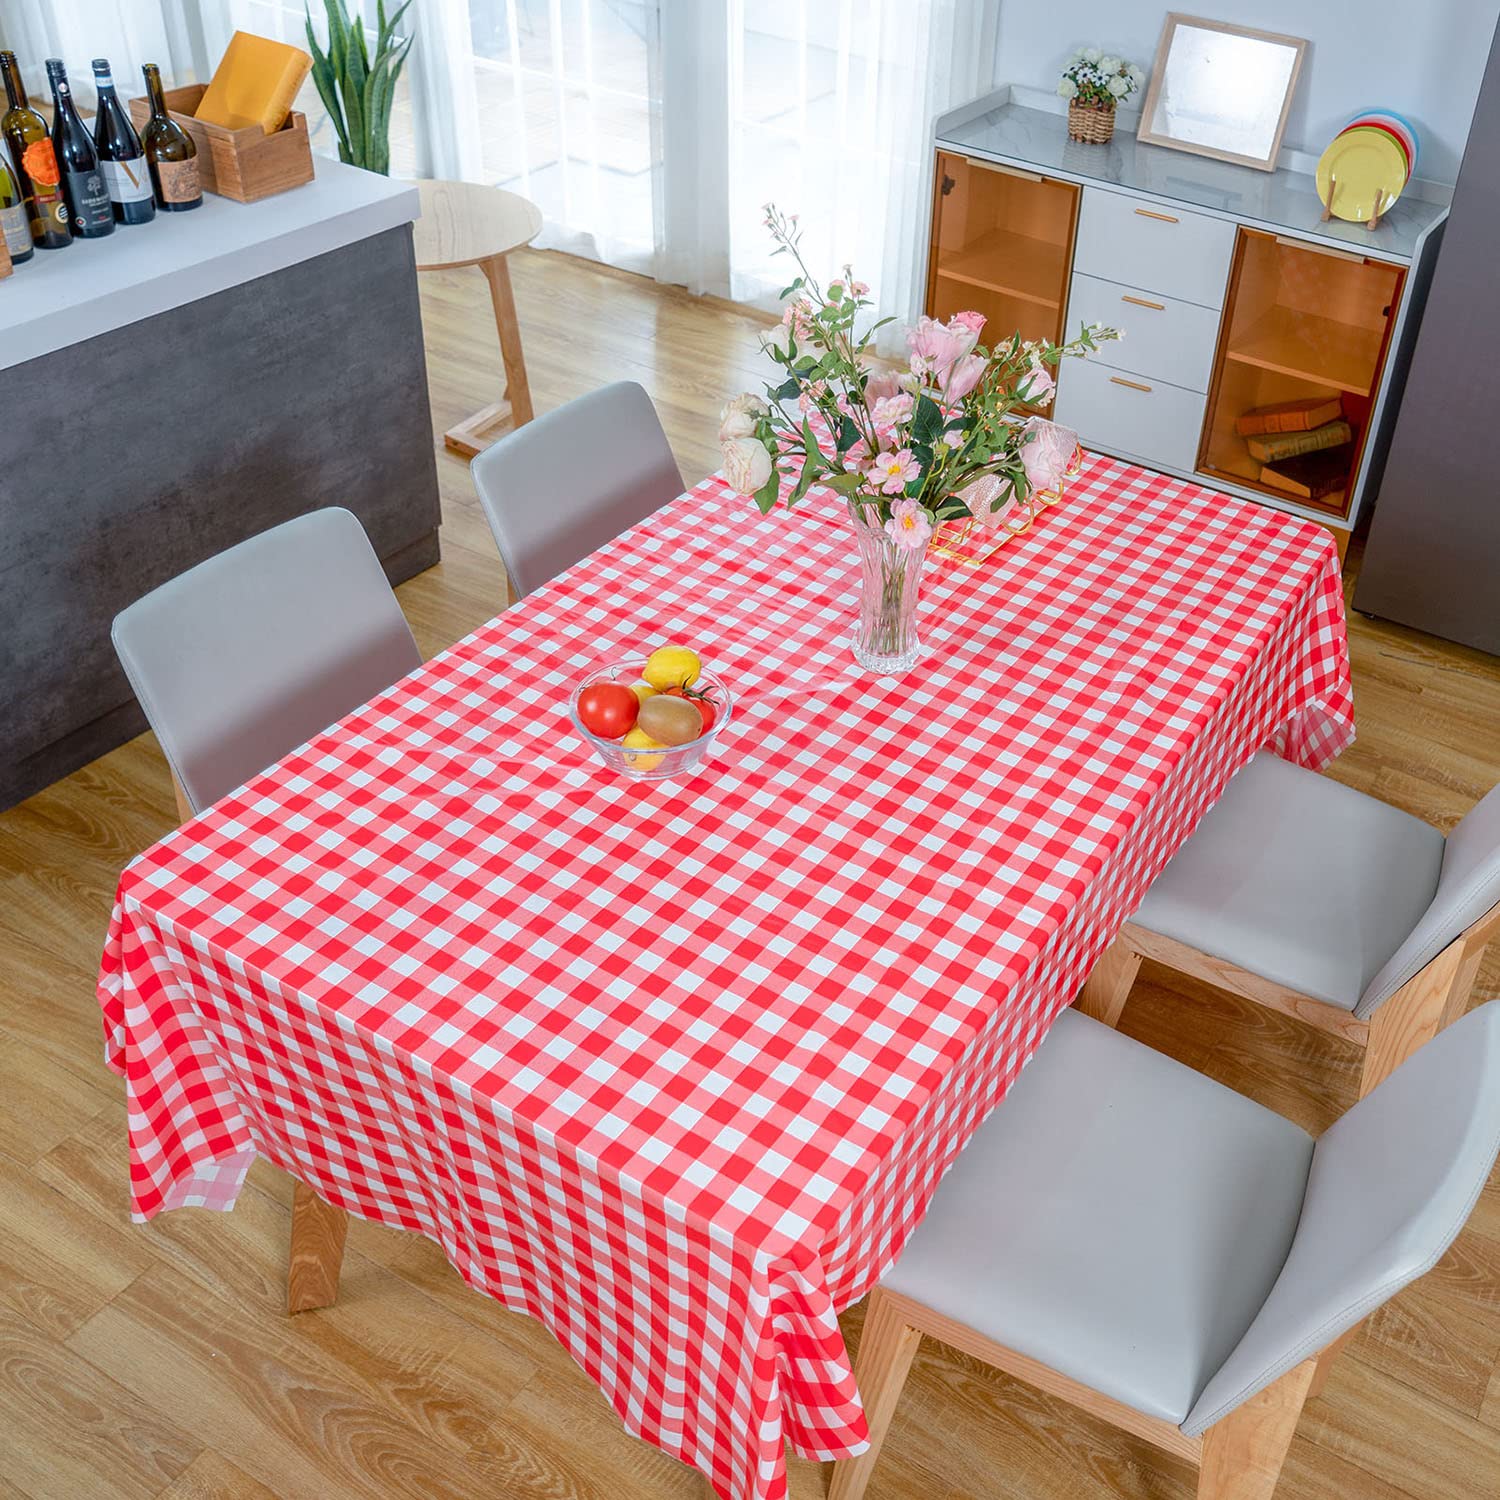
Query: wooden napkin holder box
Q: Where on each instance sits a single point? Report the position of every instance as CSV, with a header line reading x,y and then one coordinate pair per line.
x,y
246,164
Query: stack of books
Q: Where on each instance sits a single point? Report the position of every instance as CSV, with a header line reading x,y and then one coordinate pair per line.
x,y
1305,448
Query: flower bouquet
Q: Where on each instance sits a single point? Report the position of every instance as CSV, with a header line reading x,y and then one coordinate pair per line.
x,y
908,449
1093,83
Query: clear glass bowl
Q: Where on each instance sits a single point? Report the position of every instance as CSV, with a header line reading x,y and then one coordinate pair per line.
x,y
671,762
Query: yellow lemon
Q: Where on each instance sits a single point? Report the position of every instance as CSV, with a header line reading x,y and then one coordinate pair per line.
x,y
672,666
638,740
642,691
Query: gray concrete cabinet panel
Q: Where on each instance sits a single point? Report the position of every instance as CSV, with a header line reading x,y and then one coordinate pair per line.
x,y
132,455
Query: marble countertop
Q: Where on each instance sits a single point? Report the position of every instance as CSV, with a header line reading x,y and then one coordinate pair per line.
x,y
1282,201
62,297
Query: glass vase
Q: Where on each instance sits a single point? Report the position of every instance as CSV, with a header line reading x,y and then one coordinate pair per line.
x,y
885,635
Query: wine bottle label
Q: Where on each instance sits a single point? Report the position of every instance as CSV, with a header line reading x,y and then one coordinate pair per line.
x,y
39,162
129,181
179,180
88,196
15,229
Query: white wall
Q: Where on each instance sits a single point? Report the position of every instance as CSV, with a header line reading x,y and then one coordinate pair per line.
x,y
1422,58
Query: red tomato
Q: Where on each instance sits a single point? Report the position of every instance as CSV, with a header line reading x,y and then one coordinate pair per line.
x,y
701,701
608,709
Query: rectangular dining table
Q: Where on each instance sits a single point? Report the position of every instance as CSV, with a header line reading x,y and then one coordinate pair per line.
x,y
676,1067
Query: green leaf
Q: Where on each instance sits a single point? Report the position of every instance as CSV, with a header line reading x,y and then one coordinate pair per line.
x,y
843,484
810,442
787,389
766,495
848,434
926,422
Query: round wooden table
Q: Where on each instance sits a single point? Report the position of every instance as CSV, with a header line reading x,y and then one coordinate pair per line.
x,y
464,224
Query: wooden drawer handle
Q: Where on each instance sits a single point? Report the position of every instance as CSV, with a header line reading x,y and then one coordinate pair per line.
x,y
994,166
1142,302
1147,213
1134,385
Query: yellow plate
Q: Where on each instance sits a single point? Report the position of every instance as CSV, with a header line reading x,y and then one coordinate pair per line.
x,y
1359,164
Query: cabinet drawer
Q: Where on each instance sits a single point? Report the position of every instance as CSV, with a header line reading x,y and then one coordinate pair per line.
x,y
1156,246
1164,339
1128,414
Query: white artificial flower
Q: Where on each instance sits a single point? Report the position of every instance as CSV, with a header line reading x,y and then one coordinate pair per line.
x,y
747,464
1137,74
777,341
1118,86
1109,64
738,418
1091,54
1067,88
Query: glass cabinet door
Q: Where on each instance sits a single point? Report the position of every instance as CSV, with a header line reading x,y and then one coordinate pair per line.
x,y
1303,339
1002,244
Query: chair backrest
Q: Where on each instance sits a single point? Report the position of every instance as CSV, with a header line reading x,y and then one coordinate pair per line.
x,y
1391,1185
252,653
570,481
1468,886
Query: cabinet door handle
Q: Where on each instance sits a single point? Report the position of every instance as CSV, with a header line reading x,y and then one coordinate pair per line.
x,y
1328,250
994,166
1134,385
1142,302
1147,213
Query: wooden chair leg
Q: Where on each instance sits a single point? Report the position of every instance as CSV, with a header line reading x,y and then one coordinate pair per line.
x,y
1243,1453
318,1230
1422,1007
1108,987
886,1349
1324,1362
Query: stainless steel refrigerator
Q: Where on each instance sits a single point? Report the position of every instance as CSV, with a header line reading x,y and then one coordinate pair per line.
x,y
1433,555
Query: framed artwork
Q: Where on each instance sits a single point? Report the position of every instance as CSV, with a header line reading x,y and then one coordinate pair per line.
x,y
1221,90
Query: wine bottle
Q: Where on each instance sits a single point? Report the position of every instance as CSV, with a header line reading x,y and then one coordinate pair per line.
x,y
89,212
121,158
170,152
15,227
35,162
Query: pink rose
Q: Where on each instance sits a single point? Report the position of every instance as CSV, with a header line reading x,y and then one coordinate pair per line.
x,y
891,411
881,384
970,319
1037,384
963,376
1047,453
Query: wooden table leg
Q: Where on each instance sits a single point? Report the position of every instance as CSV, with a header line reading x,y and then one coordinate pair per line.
x,y
318,1230
476,433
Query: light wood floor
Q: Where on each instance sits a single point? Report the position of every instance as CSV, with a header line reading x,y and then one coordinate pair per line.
x,y
156,1361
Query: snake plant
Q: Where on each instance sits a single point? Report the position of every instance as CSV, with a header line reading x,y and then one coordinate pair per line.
x,y
356,88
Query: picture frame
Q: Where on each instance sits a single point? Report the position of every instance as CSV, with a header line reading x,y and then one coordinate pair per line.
x,y
1221,90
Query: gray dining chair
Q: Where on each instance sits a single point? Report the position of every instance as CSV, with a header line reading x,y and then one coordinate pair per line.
x,y
1167,1255
569,481
248,655
1325,904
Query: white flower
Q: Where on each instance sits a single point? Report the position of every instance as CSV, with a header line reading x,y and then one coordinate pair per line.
x,y
1109,64
747,464
1118,86
1068,89
1137,74
738,418
1091,54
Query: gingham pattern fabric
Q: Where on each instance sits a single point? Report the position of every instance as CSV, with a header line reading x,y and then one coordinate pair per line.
x,y
677,1068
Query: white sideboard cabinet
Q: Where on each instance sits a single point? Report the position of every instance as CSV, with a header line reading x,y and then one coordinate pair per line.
x,y
1233,292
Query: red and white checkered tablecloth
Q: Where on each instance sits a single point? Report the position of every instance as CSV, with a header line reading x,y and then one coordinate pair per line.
x,y
677,1068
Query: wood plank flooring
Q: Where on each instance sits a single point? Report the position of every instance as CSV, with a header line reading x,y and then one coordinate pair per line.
x,y
158,1361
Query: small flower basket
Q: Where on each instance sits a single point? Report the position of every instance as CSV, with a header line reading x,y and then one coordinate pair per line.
x,y
1094,124
1093,83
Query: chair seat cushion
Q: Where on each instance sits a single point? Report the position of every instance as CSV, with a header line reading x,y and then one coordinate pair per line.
x,y
1119,1217
1298,879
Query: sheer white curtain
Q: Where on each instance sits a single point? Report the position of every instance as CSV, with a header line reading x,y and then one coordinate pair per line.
x,y
650,132
128,32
